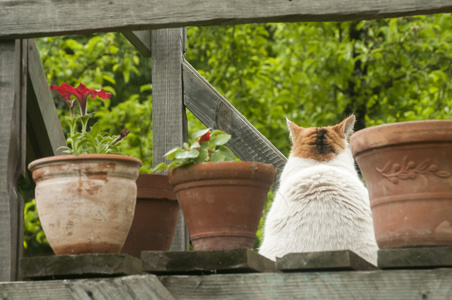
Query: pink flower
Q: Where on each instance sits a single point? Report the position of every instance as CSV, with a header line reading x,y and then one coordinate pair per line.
x,y
81,93
205,137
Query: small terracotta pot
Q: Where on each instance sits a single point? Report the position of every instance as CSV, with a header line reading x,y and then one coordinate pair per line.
x,y
155,218
86,202
222,202
408,171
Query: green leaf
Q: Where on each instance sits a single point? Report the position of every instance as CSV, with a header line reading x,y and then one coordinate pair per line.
x,y
109,78
200,133
175,163
195,145
193,153
170,155
160,167
226,153
203,153
220,139
217,156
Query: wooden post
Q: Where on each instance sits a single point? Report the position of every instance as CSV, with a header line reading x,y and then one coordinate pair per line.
x,y
13,72
168,111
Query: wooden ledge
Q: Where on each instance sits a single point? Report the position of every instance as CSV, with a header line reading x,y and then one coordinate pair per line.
x,y
323,261
406,258
79,266
205,262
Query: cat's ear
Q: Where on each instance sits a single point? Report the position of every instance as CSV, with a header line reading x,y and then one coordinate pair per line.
x,y
292,127
345,128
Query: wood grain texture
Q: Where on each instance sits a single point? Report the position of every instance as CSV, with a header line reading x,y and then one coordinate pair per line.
x,y
27,18
123,288
405,258
141,40
12,161
326,260
44,132
169,122
79,266
393,284
205,262
212,109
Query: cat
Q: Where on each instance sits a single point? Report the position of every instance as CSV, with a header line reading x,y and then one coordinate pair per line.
x,y
321,203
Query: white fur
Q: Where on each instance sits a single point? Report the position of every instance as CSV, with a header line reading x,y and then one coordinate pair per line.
x,y
320,206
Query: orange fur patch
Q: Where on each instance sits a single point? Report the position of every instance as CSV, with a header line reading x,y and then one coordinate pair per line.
x,y
318,143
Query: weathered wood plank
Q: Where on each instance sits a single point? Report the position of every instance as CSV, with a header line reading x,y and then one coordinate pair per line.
x,y
205,262
44,132
169,120
122,288
327,260
212,109
46,18
404,258
141,40
12,162
79,266
393,284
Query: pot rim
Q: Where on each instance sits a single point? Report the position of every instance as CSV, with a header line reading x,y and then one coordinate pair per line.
x,y
154,186
82,157
400,133
214,170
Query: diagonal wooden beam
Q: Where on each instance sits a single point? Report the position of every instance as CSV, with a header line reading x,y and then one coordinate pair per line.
x,y
141,40
19,19
44,132
212,109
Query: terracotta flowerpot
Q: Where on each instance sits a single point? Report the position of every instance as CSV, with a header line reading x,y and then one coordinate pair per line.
x,y
222,202
155,218
408,170
86,202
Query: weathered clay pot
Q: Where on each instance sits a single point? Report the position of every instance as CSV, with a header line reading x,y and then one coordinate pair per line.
x,y
86,202
222,202
408,171
155,218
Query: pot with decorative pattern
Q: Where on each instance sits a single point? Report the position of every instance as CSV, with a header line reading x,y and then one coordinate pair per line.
x,y
407,167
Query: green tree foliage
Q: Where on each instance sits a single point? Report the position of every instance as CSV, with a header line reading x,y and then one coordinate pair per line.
x,y
315,74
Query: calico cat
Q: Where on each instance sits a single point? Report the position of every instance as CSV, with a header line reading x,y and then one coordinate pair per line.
x,y
321,203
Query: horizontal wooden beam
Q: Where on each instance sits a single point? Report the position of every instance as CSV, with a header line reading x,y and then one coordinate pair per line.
x,y
400,284
121,288
21,19
214,111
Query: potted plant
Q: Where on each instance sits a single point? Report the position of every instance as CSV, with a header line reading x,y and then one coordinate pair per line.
x,y
407,167
155,217
221,199
86,199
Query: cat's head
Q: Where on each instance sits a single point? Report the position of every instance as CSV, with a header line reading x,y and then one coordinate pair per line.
x,y
320,143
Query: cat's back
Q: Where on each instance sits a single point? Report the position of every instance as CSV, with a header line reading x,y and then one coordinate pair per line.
x,y
321,203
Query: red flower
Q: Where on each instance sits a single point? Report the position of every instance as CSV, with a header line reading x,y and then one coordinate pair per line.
x,y
81,93
205,137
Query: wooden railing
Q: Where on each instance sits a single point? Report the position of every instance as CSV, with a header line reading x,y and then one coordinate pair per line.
x,y
29,125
